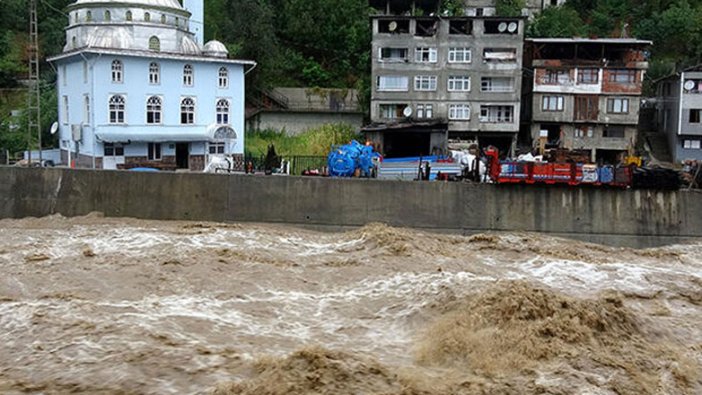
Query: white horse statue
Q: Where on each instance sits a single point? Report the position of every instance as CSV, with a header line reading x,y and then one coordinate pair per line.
x,y
219,164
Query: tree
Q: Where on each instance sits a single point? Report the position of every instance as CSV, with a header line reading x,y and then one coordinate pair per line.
x,y
509,7
560,21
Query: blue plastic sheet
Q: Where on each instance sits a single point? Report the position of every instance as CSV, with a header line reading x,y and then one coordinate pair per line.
x,y
343,160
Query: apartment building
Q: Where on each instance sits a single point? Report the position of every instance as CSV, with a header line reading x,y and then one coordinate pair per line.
x,y
437,77
679,113
584,94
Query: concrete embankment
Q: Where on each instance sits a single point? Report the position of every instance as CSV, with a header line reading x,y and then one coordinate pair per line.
x,y
636,218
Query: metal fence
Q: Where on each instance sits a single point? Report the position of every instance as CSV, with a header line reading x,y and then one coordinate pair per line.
x,y
296,164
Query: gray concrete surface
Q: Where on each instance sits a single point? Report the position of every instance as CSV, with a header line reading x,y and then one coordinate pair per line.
x,y
637,218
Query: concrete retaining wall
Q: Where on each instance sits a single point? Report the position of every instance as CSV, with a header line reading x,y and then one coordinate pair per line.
x,y
632,218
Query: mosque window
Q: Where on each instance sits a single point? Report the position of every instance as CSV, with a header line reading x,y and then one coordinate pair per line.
x,y
177,22
163,18
222,108
74,42
116,107
147,17
88,16
154,73
128,16
154,43
187,111
117,71
108,15
188,75
223,80
76,17
153,110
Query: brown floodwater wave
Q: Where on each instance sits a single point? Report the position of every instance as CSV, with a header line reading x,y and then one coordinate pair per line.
x,y
104,305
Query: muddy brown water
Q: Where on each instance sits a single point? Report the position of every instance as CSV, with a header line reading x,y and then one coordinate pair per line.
x,y
108,306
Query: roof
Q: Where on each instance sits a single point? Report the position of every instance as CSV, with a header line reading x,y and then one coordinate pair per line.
x,y
578,40
142,3
151,55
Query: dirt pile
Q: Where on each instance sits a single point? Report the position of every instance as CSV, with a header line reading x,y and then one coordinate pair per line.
x,y
516,328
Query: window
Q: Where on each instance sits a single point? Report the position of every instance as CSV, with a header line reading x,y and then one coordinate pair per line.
x,y
392,54
618,106
76,17
108,15
556,77
112,149
392,83
188,75
695,115
154,151
86,109
496,114
459,55
584,131
187,111
425,83
496,84
500,54
154,43
425,55
501,27
223,80
63,75
586,108
128,16
65,110
116,109
460,26
154,73
552,103
691,144
458,83
216,148
622,76
88,16
425,111
392,111
163,18
116,71
222,111
177,22
459,111
147,17
588,76
153,110
74,42
85,71
613,131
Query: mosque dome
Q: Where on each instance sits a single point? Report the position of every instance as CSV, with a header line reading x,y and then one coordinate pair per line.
x,y
142,3
216,49
110,37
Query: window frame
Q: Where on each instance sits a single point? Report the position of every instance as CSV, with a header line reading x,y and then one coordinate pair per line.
x,y
502,115
222,117
628,75
589,71
454,109
425,83
223,78
188,75
154,44
187,114
612,105
431,53
453,81
119,110
217,145
548,100
694,115
692,144
153,151
154,73
117,71
154,110
382,88
465,51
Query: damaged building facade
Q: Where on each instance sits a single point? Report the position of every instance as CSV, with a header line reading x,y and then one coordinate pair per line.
x,y
437,76
584,94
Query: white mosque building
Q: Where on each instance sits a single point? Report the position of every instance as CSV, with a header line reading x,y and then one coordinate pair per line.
x,y
137,87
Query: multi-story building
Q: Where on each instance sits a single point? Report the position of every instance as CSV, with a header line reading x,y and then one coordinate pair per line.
x,y
436,77
679,113
137,87
584,93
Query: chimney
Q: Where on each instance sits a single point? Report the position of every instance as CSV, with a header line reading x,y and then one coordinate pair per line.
x,y
197,19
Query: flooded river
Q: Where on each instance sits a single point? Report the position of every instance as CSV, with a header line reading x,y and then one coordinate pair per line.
x,y
106,306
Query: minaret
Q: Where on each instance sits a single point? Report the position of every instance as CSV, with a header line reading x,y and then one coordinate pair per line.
x,y
197,19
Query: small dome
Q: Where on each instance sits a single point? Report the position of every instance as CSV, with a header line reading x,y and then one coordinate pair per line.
x,y
188,46
109,37
215,48
148,3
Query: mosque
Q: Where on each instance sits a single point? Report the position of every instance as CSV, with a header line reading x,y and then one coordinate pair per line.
x,y
137,87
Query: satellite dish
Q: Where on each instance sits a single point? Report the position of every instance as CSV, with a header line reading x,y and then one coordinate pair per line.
x,y
392,26
512,27
407,111
502,27
689,85
54,127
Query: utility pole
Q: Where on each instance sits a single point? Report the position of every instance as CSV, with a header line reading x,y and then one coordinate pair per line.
x,y
33,96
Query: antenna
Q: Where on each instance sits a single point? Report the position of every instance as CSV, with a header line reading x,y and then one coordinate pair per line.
x,y
33,96
689,85
407,112
502,27
392,26
512,27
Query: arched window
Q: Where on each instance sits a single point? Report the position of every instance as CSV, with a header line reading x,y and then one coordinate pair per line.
x,y
223,77
154,73
188,75
147,17
108,15
154,43
116,108
76,17
187,111
88,16
222,111
163,18
116,71
177,22
128,16
74,42
153,110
